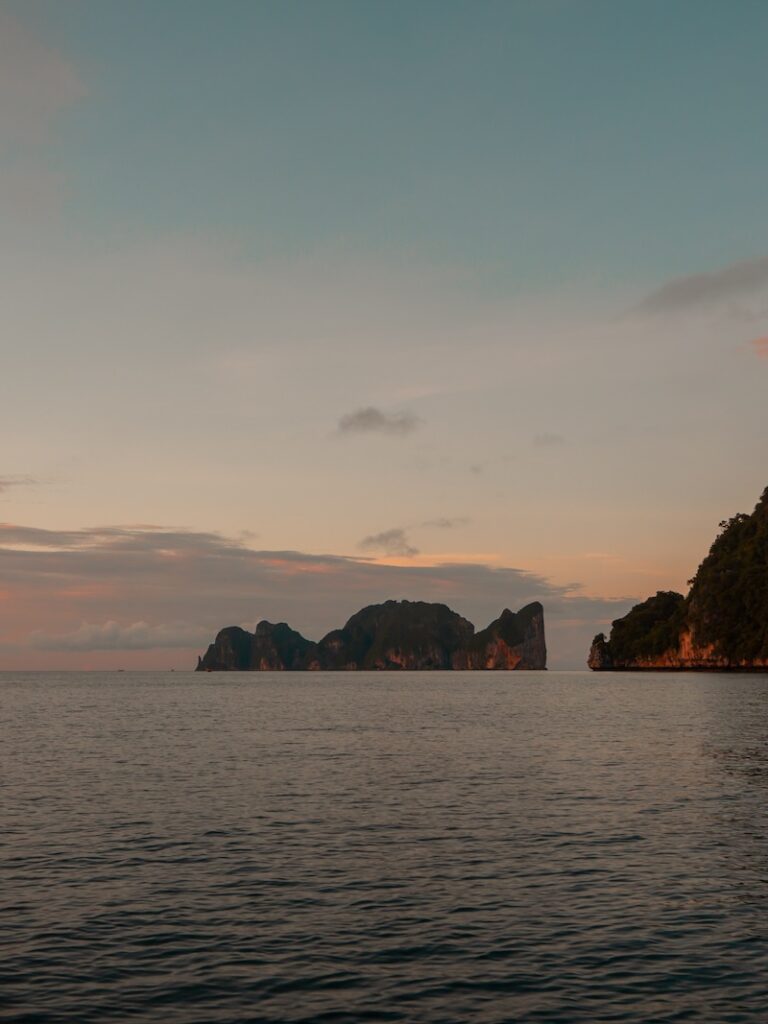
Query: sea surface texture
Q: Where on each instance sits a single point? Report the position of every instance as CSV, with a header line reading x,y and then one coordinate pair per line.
x,y
431,847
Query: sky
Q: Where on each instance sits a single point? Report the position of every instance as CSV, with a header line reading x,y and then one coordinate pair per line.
x,y
308,304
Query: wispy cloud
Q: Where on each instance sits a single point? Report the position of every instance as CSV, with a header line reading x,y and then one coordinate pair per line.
x,y
445,523
548,440
396,542
373,421
697,290
115,539
391,542
112,636
7,482
760,346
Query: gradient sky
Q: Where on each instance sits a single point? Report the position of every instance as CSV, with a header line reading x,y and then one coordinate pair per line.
x,y
311,304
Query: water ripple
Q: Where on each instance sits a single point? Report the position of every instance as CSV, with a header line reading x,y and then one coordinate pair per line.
x,y
558,848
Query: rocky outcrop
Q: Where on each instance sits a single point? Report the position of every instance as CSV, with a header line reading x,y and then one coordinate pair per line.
x,y
720,626
511,641
600,659
278,646
413,635
273,647
685,656
230,651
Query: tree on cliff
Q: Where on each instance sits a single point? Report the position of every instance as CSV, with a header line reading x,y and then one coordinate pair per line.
x,y
650,628
726,610
728,600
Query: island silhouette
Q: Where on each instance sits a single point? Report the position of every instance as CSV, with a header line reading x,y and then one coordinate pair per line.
x,y
413,635
722,623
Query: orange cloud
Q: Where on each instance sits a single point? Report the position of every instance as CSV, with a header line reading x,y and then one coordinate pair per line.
x,y
761,346
431,561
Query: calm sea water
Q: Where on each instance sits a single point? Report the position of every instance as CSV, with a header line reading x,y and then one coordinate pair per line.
x,y
431,847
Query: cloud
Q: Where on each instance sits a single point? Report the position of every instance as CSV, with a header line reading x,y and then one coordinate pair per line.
x,y
548,440
698,290
373,421
391,542
395,542
63,589
115,539
7,482
111,636
761,347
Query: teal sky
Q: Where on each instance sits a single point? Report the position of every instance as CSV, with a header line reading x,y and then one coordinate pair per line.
x,y
530,141
332,302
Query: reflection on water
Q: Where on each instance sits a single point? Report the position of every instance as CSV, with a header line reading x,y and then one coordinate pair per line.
x,y
557,847
749,762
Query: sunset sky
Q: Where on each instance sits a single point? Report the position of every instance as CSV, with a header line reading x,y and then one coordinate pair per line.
x,y
312,304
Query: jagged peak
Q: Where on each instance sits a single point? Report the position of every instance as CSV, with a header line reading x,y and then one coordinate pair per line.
x,y
392,634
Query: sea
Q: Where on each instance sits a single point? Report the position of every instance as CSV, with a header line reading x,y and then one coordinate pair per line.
x,y
428,847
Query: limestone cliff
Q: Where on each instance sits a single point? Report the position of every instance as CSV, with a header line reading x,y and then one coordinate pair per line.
x,y
685,656
511,641
413,635
721,625
599,658
272,647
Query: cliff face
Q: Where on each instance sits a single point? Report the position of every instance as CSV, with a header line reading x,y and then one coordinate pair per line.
x,y
413,635
685,656
599,659
396,635
231,650
272,647
279,646
722,624
511,641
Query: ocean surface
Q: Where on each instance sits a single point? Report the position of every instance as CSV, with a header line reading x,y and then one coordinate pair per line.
x,y
421,847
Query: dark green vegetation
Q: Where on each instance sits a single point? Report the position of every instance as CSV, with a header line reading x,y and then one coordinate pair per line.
x,y
386,634
394,635
728,600
649,629
725,613
510,628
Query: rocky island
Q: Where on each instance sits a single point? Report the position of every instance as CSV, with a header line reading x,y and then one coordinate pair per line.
x,y
413,635
720,626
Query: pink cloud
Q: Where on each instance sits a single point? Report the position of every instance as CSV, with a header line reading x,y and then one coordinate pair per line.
x,y
760,346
